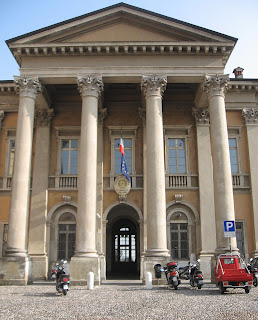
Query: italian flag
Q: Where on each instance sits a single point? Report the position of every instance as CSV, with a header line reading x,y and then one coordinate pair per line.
x,y
121,149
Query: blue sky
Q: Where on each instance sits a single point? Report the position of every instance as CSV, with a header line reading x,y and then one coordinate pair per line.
x,y
236,18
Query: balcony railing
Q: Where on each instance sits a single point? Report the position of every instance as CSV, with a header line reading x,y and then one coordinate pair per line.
x,y
183,181
136,181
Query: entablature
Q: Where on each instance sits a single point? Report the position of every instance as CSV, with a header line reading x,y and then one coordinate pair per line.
x,y
111,48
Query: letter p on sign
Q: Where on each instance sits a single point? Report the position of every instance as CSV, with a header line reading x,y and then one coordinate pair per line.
x,y
229,228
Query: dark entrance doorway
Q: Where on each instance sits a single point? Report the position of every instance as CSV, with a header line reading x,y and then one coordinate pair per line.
x,y
124,248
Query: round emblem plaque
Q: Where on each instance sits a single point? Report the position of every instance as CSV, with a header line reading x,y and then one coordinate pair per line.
x,y
122,186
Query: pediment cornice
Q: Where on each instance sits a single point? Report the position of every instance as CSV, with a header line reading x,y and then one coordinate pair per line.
x,y
93,33
128,48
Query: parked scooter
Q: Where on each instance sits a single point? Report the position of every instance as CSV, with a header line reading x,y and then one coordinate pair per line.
x,y
62,280
184,272
196,276
254,270
172,275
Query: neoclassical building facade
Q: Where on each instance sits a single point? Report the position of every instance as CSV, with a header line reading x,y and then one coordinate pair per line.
x,y
190,139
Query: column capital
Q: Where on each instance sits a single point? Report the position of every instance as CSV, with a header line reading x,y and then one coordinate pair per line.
x,y
1,118
142,114
153,85
90,85
102,114
43,117
202,116
216,85
28,87
250,116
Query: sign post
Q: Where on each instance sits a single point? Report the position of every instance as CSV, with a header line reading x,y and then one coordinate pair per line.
x,y
229,230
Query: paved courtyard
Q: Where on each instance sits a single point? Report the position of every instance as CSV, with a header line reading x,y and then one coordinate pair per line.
x,y
127,300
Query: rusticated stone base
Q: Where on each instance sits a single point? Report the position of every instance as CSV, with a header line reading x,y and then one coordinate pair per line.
x,y
40,267
147,265
80,268
15,271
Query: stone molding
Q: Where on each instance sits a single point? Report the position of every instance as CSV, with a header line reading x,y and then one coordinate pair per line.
x,y
91,85
27,87
153,85
142,114
102,114
250,116
216,85
43,117
202,116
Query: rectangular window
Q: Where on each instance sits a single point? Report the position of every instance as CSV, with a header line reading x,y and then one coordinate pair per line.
x,y
11,157
240,238
233,155
176,156
128,155
179,240
69,156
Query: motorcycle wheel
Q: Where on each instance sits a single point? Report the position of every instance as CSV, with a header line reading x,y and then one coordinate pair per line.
x,y
255,282
247,290
199,286
65,292
175,286
221,288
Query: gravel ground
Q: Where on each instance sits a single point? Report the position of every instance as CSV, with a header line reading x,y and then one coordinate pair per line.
x,y
126,301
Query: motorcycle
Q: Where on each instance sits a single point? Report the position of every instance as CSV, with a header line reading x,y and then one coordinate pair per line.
x,y
172,275
196,276
62,280
184,272
254,270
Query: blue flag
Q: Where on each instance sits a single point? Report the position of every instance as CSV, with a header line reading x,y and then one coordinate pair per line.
x,y
124,168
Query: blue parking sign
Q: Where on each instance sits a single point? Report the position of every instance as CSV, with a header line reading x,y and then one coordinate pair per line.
x,y
229,228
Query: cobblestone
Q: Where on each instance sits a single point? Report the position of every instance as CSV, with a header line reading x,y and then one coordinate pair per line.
x,y
126,301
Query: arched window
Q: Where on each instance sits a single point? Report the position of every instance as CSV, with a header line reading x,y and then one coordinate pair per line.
x,y
66,236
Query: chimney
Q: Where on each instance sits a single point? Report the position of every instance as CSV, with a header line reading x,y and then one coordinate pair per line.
x,y
238,72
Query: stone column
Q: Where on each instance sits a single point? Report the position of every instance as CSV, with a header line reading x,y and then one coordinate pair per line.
x,y
206,193
1,119
153,87
142,113
39,197
86,258
102,113
251,121
28,89
215,87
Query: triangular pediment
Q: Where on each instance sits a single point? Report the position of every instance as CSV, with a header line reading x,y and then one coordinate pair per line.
x,y
120,23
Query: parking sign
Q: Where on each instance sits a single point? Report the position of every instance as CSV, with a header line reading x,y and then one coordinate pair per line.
x,y
229,229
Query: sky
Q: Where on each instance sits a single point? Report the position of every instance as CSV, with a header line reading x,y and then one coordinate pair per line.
x,y
235,18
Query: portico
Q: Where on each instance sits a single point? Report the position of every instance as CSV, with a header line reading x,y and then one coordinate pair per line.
x,y
90,85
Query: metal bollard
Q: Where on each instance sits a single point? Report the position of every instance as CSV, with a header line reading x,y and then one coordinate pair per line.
x,y
148,280
90,283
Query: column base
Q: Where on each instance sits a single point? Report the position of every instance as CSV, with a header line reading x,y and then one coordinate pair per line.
x,y
16,270
40,267
80,268
102,259
207,265
147,265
